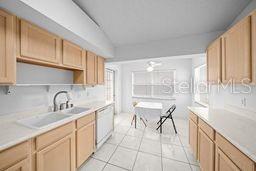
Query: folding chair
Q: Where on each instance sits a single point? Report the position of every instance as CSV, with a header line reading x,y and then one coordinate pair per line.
x,y
167,115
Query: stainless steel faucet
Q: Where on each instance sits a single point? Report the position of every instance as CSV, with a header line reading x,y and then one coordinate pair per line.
x,y
55,105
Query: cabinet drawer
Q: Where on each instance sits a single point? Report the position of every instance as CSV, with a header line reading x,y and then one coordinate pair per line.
x,y
193,117
236,156
207,129
13,155
54,135
85,120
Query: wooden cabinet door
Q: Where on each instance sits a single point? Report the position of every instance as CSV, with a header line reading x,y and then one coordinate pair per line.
x,y
73,55
20,166
7,48
236,53
101,69
37,44
193,134
85,142
91,68
254,46
214,62
223,163
59,156
205,152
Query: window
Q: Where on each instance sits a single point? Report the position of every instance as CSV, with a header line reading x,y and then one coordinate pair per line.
x,y
109,83
155,84
200,85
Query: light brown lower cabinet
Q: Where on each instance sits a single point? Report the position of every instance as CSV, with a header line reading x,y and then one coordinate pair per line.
x,y
229,158
205,151
85,141
20,166
213,151
193,133
16,158
223,163
59,156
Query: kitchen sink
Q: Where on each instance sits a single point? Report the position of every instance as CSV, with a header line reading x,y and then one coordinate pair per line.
x,y
75,110
43,120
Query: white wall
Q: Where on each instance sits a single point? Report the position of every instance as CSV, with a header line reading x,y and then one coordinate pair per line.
x,y
118,85
250,7
186,45
25,98
197,61
183,73
64,18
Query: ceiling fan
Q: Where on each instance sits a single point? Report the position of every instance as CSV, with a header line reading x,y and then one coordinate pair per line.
x,y
152,65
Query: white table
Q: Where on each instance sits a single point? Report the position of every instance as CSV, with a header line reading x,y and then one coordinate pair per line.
x,y
148,110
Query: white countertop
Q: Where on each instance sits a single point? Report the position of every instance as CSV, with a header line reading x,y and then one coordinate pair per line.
x,y
237,129
12,133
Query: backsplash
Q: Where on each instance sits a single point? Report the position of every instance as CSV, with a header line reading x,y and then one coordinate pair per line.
x,y
25,98
237,101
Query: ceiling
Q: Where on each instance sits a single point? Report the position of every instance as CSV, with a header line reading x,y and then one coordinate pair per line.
x,y
128,22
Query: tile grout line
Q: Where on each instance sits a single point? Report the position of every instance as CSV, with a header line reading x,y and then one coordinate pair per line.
x,y
138,149
117,145
183,147
162,165
140,144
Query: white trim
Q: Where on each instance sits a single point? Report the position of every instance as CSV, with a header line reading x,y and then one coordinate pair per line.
x,y
152,97
194,85
151,83
201,103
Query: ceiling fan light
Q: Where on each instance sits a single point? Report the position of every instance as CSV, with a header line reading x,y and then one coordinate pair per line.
x,y
150,69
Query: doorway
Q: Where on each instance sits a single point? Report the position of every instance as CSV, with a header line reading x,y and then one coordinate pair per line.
x,y
110,85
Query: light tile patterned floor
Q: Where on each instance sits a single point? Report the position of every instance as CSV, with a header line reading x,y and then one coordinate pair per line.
x,y
144,149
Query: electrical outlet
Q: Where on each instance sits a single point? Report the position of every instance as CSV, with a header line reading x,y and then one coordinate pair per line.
x,y
245,101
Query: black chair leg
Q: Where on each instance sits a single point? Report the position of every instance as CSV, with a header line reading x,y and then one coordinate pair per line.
x,y
135,119
174,125
158,122
161,125
161,122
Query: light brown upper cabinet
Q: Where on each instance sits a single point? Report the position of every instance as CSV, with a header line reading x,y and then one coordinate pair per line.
x,y
214,62
73,55
101,69
7,48
253,18
37,45
236,53
91,68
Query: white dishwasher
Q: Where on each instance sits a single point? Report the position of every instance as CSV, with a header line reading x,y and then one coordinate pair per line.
x,y
104,124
